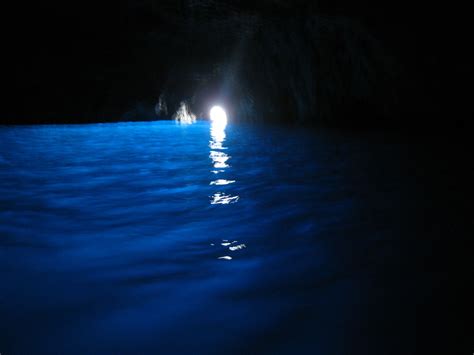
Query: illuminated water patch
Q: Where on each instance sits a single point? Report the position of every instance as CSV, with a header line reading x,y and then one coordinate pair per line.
x,y
223,199
221,182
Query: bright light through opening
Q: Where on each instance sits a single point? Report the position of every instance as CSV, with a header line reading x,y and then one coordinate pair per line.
x,y
218,116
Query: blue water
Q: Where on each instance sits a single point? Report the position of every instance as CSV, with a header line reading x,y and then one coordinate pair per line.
x,y
162,238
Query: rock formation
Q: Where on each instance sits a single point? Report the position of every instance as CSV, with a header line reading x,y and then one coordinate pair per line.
x,y
300,62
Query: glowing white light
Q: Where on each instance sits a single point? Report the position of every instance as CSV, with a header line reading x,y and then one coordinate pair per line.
x,y
223,199
227,257
219,159
221,182
218,116
237,247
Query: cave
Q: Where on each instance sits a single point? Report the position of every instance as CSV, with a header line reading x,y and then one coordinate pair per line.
x,y
308,63
239,177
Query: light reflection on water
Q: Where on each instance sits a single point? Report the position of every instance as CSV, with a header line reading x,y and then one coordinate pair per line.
x,y
220,161
222,199
221,182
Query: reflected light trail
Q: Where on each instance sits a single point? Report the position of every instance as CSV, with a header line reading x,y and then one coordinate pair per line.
x,y
218,157
218,124
220,198
237,247
221,182
217,136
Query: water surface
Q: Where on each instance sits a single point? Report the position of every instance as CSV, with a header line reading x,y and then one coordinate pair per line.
x,y
165,238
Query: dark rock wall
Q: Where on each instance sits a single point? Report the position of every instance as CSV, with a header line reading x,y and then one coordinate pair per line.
x,y
288,68
306,62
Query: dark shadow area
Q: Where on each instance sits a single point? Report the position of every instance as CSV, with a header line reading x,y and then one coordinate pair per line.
x,y
392,65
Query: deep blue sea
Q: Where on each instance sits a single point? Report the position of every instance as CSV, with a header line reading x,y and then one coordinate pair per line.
x,y
160,238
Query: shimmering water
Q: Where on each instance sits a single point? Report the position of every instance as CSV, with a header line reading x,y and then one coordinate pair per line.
x,y
164,238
